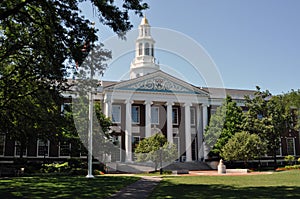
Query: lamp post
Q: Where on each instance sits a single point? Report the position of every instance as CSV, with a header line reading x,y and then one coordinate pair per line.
x,y
90,130
90,137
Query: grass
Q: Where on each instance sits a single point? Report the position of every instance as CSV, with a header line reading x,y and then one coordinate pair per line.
x,y
278,185
284,184
63,186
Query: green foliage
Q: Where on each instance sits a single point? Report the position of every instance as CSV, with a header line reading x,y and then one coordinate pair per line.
x,y
56,168
223,125
289,159
57,186
39,42
155,149
292,103
243,146
267,117
290,167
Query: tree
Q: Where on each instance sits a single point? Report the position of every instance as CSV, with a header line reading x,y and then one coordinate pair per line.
x,y
156,149
223,125
243,146
267,117
292,103
39,40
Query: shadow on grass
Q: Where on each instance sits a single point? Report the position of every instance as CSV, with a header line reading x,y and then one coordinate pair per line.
x,y
63,186
170,190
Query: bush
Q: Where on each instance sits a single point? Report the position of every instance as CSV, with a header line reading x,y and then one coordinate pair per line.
x,y
297,166
167,172
56,168
289,159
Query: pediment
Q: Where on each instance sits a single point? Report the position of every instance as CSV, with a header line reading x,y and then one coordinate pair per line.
x,y
158,82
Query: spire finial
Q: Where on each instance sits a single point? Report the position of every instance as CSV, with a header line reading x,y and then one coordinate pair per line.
x,y
144,20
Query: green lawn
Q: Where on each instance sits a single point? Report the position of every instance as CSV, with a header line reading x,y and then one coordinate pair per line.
x,y
62,186
277,185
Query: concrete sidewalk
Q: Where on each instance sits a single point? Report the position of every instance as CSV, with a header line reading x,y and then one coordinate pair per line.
x,y
138,190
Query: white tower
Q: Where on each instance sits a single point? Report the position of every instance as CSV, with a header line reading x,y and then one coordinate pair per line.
x,y
144,61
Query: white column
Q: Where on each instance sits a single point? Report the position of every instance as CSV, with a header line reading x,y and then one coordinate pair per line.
x,y
128,134
108,107
204,125
199,133
148,118
169,122
188,147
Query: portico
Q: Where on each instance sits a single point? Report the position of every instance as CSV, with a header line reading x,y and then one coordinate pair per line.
x,y
153,101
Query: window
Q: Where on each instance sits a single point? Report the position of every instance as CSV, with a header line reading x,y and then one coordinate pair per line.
x,y
135,114
43,148
2,145
290,146
193,116
175,116
64,148
116,113
147,49
18,149
154,115
83,151
140,48
278,151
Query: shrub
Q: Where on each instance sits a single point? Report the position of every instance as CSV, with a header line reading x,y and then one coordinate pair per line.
x,y
297,166
289,159
56,168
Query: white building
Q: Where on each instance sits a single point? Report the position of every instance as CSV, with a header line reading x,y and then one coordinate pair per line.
x,y
153,101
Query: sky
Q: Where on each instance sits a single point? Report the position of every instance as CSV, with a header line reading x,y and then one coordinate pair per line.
x,y
249,42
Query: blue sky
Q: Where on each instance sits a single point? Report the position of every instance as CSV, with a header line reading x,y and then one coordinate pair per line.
x,y
252,42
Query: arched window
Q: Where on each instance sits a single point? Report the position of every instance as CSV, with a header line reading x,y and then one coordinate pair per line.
x,y
140,48
147,49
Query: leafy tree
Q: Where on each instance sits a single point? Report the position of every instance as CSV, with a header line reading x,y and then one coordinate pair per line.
x,y
267,117
243,146
292,103
156,149
223,125
79,115
39,40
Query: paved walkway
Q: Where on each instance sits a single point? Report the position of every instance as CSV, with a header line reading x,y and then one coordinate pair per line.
x,y
138,190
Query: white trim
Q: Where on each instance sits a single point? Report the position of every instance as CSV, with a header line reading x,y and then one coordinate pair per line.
x,y
82,156
15,151
294,148
64,156
37,151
